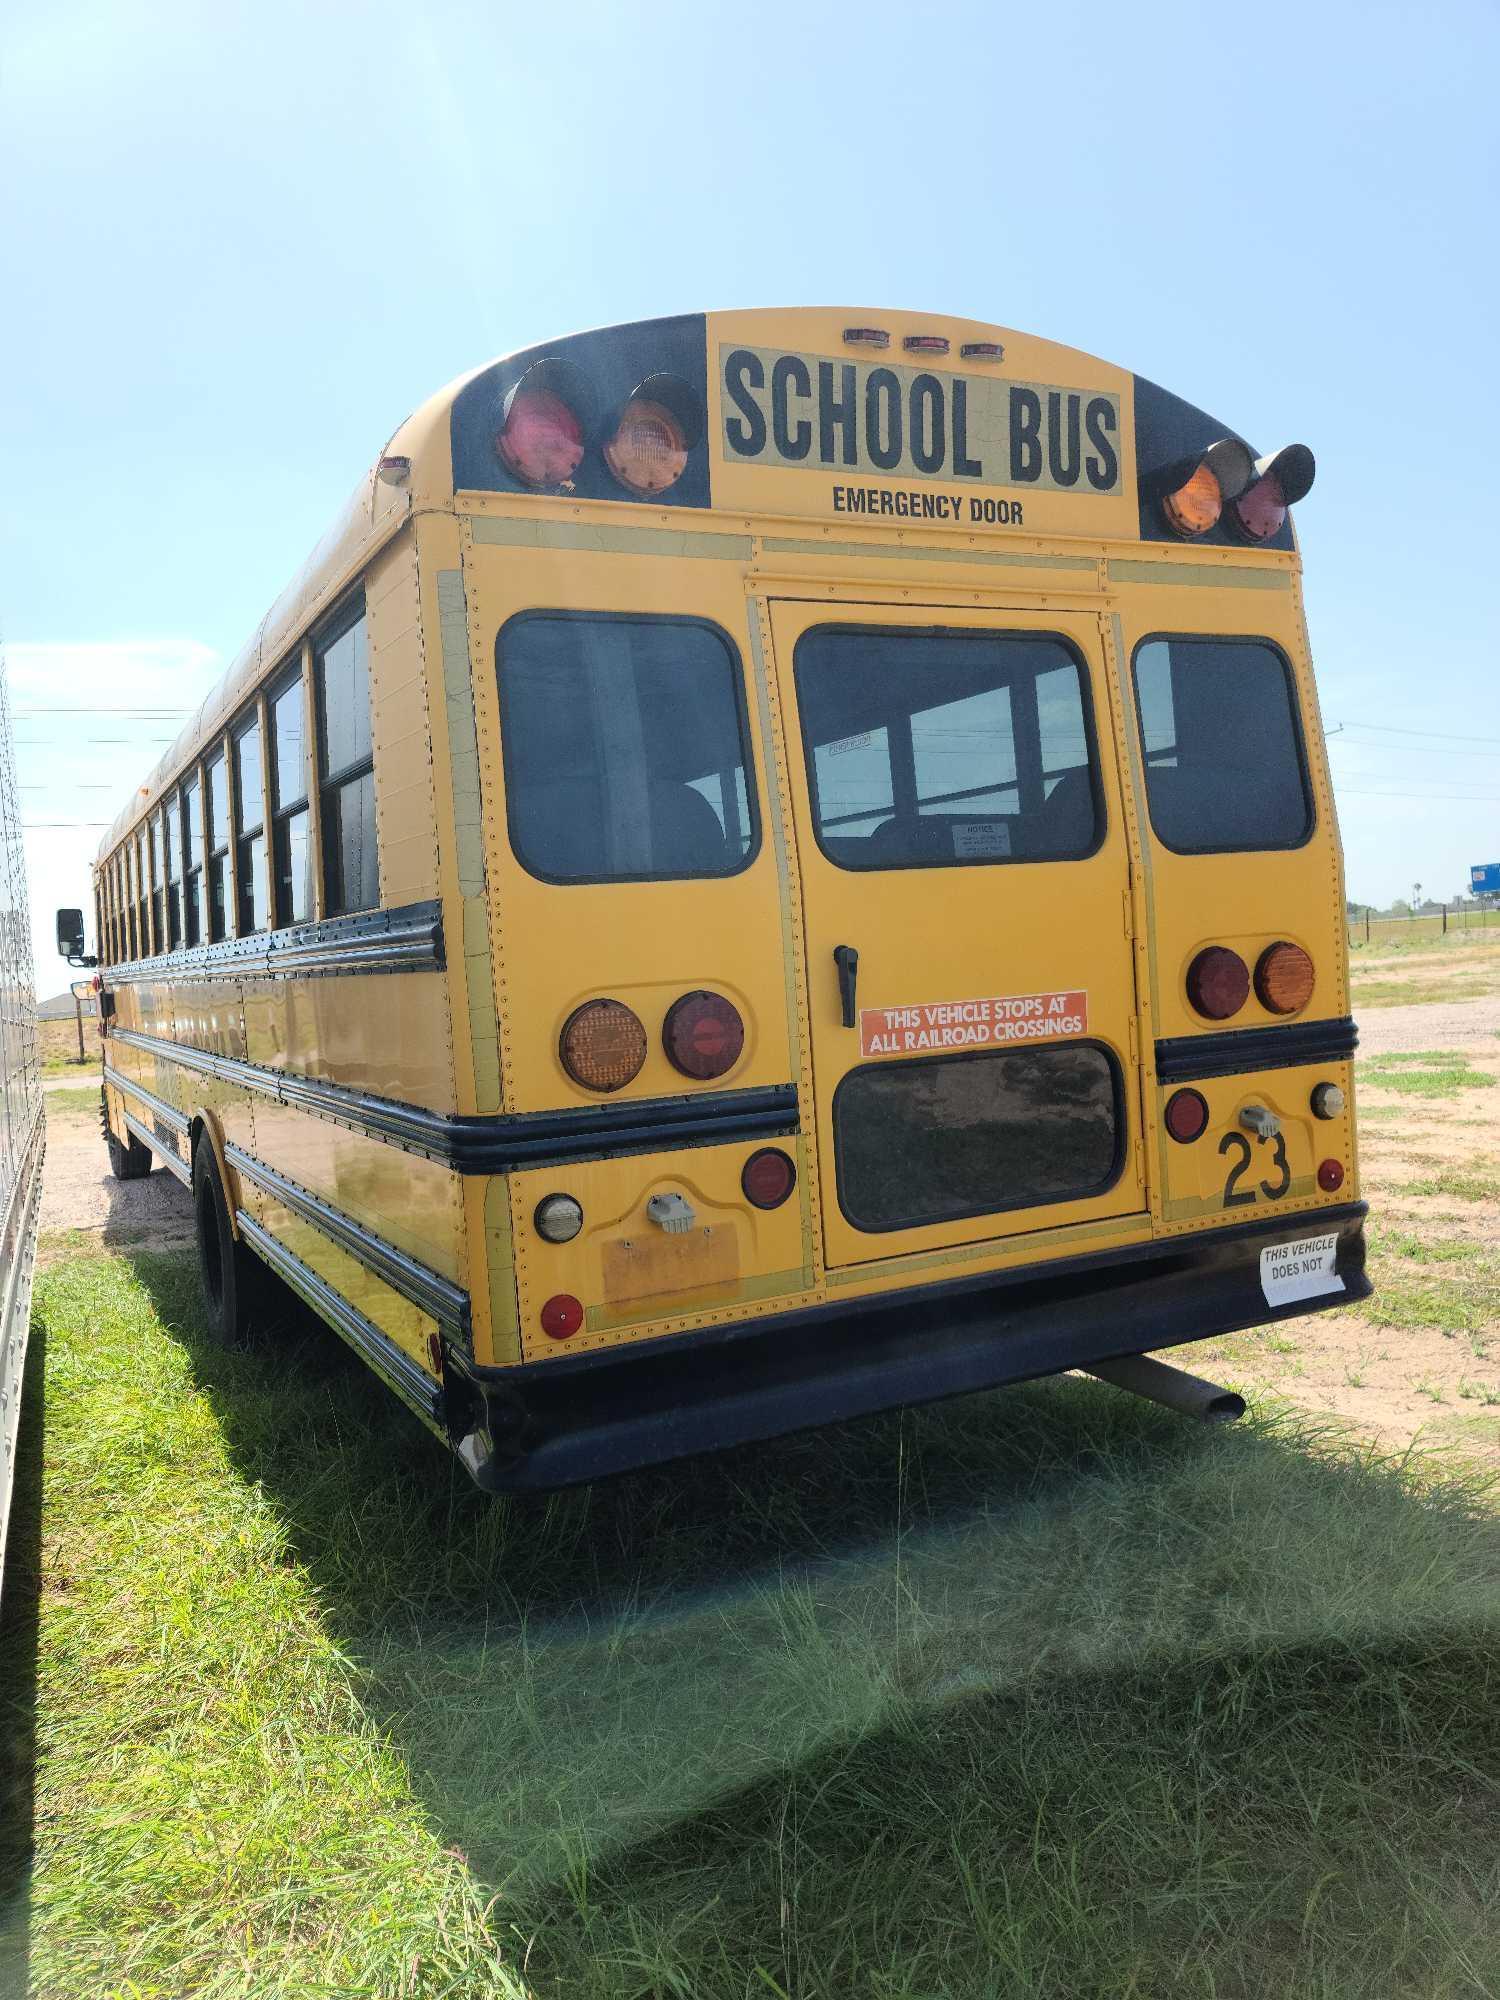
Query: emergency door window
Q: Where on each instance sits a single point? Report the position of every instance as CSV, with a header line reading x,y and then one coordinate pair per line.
x,y
945,749
932,1141
624,741
1224,766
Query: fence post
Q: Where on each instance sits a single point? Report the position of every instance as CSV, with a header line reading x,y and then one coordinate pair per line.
x,y
1367,923
1445,920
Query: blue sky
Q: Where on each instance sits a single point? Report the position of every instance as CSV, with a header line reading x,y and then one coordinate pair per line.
x,y
241,242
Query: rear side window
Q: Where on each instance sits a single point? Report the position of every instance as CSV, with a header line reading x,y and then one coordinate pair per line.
x,y
1225,771
625,748
937,749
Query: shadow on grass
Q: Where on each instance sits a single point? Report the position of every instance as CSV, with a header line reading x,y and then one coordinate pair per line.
x,y
20,1613
1038,1691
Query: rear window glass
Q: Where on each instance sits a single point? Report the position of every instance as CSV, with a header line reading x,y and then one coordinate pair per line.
x,y
926,1142
625,757
1224,765
939,749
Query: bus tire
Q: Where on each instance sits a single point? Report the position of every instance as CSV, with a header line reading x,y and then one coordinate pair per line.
x,y
233,1279
129,1158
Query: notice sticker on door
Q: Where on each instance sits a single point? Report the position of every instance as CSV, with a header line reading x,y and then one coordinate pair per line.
x,y
987,1023
1303,1270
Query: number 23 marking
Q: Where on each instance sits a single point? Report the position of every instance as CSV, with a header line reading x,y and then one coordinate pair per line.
x,y
1236,1143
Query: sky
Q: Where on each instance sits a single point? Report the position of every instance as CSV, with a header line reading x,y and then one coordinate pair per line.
x,y
239,243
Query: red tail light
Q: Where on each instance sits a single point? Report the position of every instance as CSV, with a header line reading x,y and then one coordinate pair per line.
x,y
1218,982
1186,1116
768,1178
1331,1176
541,440
561,1316
703,1035
1260,510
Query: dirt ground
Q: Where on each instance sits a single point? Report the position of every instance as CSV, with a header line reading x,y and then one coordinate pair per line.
x,y
1420,1363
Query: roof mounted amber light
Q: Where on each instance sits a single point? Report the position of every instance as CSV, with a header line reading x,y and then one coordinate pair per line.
x,y
1280,482
543,421
661,422
1197,489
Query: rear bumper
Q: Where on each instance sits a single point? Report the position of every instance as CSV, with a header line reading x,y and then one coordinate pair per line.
x,y
534,1428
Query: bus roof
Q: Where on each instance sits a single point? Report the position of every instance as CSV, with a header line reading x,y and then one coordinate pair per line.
x,y
924,422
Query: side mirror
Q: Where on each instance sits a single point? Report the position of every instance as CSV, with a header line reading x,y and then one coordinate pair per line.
x,y
70,937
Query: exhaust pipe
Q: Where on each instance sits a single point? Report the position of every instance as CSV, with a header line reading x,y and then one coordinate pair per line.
x,y
1173,1388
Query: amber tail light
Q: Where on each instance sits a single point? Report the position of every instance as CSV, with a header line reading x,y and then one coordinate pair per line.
x,y
602,1045
1284,978
703,1035
1218,982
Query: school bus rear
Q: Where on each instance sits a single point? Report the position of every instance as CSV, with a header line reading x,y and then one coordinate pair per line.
x,y
895,926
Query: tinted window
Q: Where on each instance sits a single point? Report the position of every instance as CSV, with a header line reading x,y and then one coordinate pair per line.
x,y
1223,749
925,1142
288,765
933,749
247,777
624,749
251,842
351,872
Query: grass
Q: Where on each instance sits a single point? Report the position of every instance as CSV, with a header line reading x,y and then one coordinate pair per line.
x,y
1456,1184
1432,1073
57,1046
84,1098
1039,1693
1423,1281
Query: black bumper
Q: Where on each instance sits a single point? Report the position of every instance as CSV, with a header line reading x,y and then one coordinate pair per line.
x,y
561,1422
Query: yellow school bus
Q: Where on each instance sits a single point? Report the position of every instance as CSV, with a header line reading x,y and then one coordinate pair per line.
x,y
771,865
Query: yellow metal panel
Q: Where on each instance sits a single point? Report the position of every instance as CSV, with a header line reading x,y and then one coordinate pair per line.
x,y
405,803
396,1317
1233,1175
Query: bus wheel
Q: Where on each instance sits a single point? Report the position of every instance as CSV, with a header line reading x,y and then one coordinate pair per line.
x,y
232,1276
129,1158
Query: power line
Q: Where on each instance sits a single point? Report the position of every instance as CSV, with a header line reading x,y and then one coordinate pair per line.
x,y
1399,729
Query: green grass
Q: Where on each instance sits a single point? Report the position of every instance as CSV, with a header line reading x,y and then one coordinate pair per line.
x,y
1423,1281
85,1098
1039,1693
1455,1183
1373,989
1433,1073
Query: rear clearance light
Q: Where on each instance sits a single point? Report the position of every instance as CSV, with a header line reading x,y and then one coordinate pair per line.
x,y
1260,511
1193,504
982,350
926,343
1218,982
1186,1116
541,440
1331,1176
703,1035
866,336
602,1045
561,1317
1284,978
767,1178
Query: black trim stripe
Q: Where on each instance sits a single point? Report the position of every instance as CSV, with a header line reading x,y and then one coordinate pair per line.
x,y
509,1141
395,1367
426,1289
405,940
1239,1051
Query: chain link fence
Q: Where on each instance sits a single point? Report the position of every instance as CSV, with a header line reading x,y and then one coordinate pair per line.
x,y
1372,928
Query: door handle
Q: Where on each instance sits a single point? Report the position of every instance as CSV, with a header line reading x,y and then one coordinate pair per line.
x,y
846,958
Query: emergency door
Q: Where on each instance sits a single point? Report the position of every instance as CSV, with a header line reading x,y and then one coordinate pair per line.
x,y
965,878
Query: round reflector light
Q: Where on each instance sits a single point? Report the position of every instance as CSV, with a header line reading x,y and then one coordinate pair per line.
x,y
768,1178
558,1218
602,1045
541,440
703,1035
1331,1176
1186,1116
1258,514
1194,508
561,1316
649,449
1283,978
1218,982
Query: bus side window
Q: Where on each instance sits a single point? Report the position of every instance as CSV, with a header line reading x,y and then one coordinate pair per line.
x,y
290,835
218,846
249,823
172,819
142,928
346,771
153,833
192,848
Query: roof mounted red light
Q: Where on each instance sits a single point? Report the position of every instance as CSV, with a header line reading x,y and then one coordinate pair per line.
x,y
982,350
1282,480
926,343
540,441
866,336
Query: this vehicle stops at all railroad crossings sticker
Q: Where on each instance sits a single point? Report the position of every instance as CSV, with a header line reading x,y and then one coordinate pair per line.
x,y
987,1022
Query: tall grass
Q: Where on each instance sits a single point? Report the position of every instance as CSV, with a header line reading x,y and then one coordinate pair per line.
x,y
1036,1693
